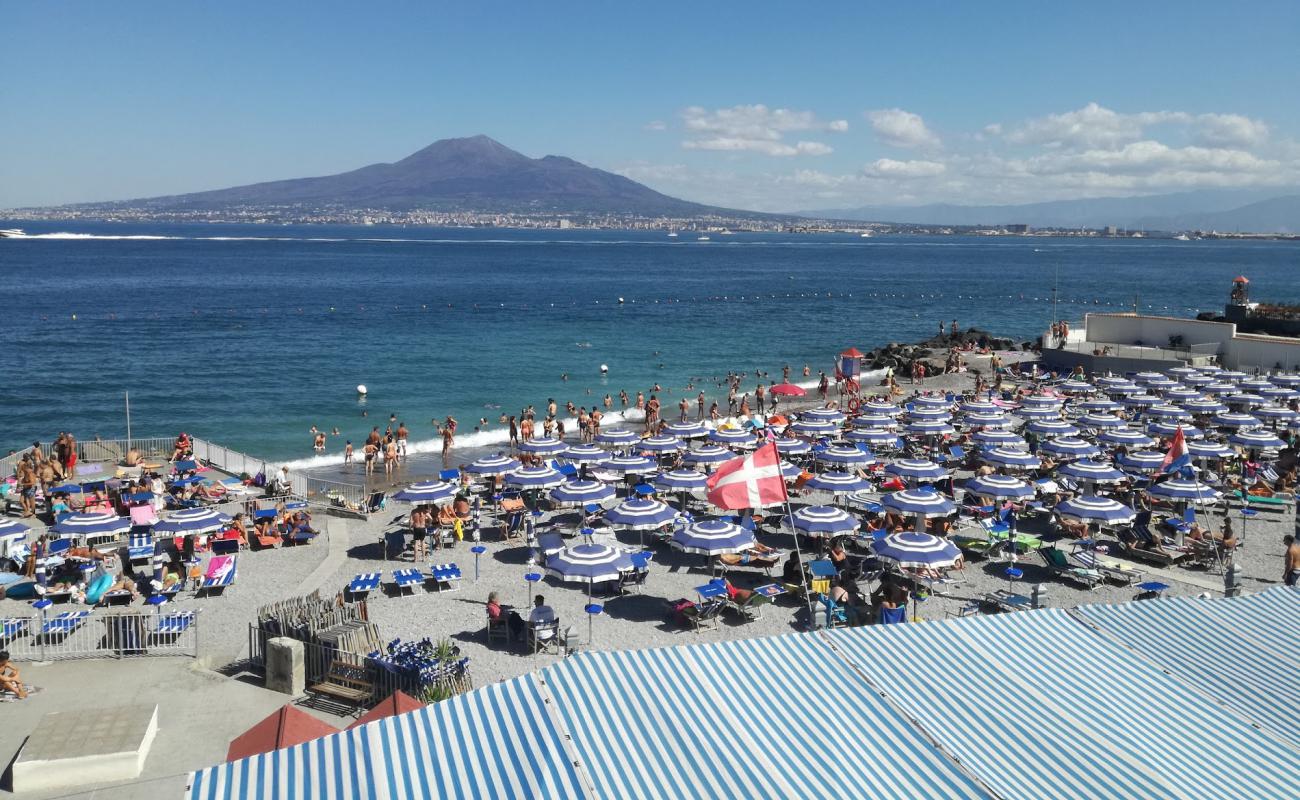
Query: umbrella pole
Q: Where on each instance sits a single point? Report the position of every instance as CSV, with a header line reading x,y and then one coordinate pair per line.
x,y
807,595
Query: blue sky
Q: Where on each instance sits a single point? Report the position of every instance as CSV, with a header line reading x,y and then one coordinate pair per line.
x,y
774,106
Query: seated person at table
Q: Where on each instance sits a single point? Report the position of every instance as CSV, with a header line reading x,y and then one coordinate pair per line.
x,y
542,616
495,612
890,594
838,557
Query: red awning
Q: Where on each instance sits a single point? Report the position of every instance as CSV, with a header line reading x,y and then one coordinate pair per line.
x,y
285,728
1241,279
852,352
398,702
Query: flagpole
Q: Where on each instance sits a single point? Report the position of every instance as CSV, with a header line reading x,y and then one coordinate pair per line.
x,y
785,499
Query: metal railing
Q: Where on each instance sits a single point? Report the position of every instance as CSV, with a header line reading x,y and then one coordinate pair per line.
x,y
79,633
1138,351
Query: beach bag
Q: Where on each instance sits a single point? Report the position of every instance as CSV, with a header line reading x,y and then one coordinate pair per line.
x,y
676,609
259,480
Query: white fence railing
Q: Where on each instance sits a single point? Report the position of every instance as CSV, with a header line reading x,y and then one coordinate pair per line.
x,y
76,633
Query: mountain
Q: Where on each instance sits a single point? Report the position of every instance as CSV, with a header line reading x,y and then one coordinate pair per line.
x,y
1241,209
470,174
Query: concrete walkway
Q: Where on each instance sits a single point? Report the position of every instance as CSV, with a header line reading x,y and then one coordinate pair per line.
x,y
336,534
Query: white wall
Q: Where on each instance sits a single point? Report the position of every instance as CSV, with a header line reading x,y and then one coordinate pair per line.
x,y
1248,351
1236,351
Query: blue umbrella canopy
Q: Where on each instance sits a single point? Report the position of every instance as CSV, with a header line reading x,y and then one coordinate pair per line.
x,y
1070,446
429,492
731,436
579,493
979,407
1177,489
932,402
1255,384
1285,379
1141,461
999,421
1143,377
878,407
535,478
1196,380
872,436
1171,428
1052,427
1209,450
91,524
1075,387
790,471
1204,405
1279,393
1126,436
543,446
813,427
1244,399
919,501
1008,457
193,520
847,456
584,453
1231,375
1035,413
713,537
1258,439
588,563
630,465
1099,421
1141,400
925,413
1218,388
916,468
790,446
1099,406
1178,395
836,483
1040,401
1276,414
640,514
11,529
1124,389
874,421
1001,486
681,480
1182,372
709,454
1003,438
824,520
1236,421
832,415
661,444
930,427
917,551
686,430
1095,471
617,437
498,464
1094,509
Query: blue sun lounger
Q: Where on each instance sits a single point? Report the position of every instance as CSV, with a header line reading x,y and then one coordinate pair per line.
x,y
363,584
64,624
176,623
13,629
407,579
448,574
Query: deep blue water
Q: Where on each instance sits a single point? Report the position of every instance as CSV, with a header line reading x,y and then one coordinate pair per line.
x,y
249,340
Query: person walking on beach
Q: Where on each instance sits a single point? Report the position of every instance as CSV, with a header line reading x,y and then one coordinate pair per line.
x,y
699,401
584,426
390,457
731,400
823,386
402,434
685,408
593,422
514,431
758,397
347,452
652,413
713,411
369,452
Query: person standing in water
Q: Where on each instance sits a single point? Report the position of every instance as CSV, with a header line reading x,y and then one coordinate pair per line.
x,y
402,434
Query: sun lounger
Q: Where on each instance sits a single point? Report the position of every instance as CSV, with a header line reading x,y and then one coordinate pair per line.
x,y
1278,503
1059,564
938,583
174,624
1005,600
405,580
362,585
975,547
764,561
1140,543
1110,568
220,574
63,625
704,615
14,629
750,608
444,574
139,549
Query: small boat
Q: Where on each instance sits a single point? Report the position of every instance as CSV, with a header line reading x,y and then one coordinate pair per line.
x,y
1182,237
672,234
11,233
866,234
725,232
701,238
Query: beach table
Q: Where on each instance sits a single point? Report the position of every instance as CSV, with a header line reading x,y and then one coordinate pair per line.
x,y
821,570
1155,589
771,591
711,590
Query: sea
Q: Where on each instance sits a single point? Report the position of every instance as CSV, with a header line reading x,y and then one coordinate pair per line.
x,y
250,335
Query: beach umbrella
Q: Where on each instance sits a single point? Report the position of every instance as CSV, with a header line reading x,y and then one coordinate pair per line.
x,y
1124,390
640,514
1231,420
1143,377
999,486
1141,401
877,436
821,521
1099,421
874,421
1052,427
930,401
92,524
588,563
686,430
1038,413
1279,393
1007,457
580,493
1094,509
987,421
833,415
12,529
535,478
1167,412
662,443
1041,401
845,456
1003,438
837,483
1197,380
709,454
1075,387
1095,471
731,436
1256,439
1276,414
498,464
1286,379
1177,489
1069,446
1209,450
1179,395
681,480
790,446
919,469
543,446
1127,437
1255,385
434,492
925,502
1170,428
813,427
584,453
1244,399
879,407
1099,406
788,390
789,471
930,427
1231,375
630,465
1110,380
917,551
712,537
1141,460
929,413
1182,372
979,407
1204,405
1218,388
617,438
1160,384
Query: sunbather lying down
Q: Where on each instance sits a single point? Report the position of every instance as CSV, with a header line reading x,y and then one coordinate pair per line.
x,y
758,554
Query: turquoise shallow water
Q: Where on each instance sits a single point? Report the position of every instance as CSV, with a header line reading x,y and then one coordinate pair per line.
x,y
249,335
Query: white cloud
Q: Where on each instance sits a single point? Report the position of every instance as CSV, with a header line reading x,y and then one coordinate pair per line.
x,y
757,129
900,128
656,125
1231,130
889,168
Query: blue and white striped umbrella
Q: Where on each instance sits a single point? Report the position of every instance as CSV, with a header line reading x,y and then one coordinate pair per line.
x,y
661,444
731,436
790,446
640,514
920,413
1038,413
712,537
681,480
1166,412
498,464
617,437
919,501
1231,375
1007,457
1178,489
584,453
1231,420
1075,387
1070,446
789,471
1124,390
1209,450
435,492
932,402
877,436
1099,406
979,407
1279,393
845,456
544,445
917,551
1257,439
1218,389
1141,401
1159,386
878,407
1244,399
1000,486
580,493
1041,401
630,465
1094,509
687,430
1204,405
916,469
12,529
987,421
1052,427
535,478
1127,437
1170,428
930,427
1143,377
1141,461
1100,421
1182,372
709,454
1003,438
1111,380
1197,380
1095,471
1179,395
588,563
813,427
832,415
874,421
821,520
837,483
1286,379
92,524
1255,384
1276,414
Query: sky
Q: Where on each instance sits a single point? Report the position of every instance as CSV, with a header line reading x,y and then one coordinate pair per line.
x,y
772,106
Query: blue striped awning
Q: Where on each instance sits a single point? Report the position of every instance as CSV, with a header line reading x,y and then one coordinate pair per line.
x,y
498,741
1037,708
1243,651
749,718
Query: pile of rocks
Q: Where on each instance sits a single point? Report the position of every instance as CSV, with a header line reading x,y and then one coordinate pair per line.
x,y
933,352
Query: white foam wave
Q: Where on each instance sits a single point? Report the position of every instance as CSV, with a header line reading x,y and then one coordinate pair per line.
x,y
68,235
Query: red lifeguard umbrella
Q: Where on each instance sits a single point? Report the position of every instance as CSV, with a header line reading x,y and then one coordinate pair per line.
x,y
787,389
398,702
852,352
284,728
